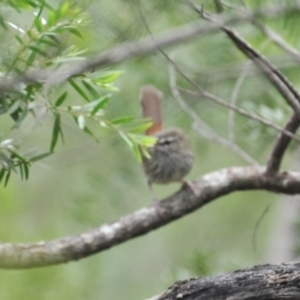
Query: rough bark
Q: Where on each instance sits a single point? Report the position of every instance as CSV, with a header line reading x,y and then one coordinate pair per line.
x,y
263,282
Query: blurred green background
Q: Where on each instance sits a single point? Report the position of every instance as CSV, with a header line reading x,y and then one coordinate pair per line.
x,y
85,184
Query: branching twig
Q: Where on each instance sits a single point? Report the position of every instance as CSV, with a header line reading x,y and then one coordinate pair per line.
x,y
240,111
279,81
199,125
132,49
233,101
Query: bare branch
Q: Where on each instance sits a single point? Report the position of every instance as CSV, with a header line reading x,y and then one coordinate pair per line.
x,y
277,39
242,112
281,145
205,189
201,127
233,101
279,81
52,76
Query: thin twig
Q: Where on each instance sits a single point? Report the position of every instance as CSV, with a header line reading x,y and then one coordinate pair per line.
x,y
127,50
277,39
279,81
241,111
199,124
254,235
233,101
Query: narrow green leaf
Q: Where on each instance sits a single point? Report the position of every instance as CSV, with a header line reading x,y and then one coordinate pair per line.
x,y
40,156
89,132
122,120
126,139
141,128
8,162
14,107
21,117
38,24
26,171
137,152
19,40
2,173
106,77
55,132
51,18
75,32
79,90
145,151
6,178
17,155
61,99
21,171
64,9
102,102
91,89
31,58
144,140
38,50
48,41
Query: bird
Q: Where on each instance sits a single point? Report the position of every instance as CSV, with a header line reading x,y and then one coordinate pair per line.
x,y
172,157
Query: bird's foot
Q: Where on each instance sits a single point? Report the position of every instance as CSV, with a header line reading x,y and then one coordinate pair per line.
x,y
190,186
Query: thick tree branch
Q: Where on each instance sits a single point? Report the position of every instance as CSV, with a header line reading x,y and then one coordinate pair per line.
x,y
129,50
206,189
257,283
281,145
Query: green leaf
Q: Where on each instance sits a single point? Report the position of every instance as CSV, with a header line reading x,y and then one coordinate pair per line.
x,y
52,17
38,50
38,24
19,39
137,152
144,140
6,178
75,32
47,41
79,90
141,128
145,151
55,132
126,139
14,107
21,171
21,118
61,99
17,155
40,156
89,132
122,120
2,173
102,102
91,89
8,162
26,171
102,78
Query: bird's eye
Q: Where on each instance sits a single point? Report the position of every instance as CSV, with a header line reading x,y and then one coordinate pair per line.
x,y
165,141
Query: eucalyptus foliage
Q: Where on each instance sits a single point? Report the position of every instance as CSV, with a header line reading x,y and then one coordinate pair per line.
x,y
48,40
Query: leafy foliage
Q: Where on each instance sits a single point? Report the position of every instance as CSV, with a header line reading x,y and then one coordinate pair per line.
x,y
47,41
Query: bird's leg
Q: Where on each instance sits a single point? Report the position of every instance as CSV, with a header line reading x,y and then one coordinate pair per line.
x,y
154,199
189,185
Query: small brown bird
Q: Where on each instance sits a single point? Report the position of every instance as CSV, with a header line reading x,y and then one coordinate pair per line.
x,y
172,156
